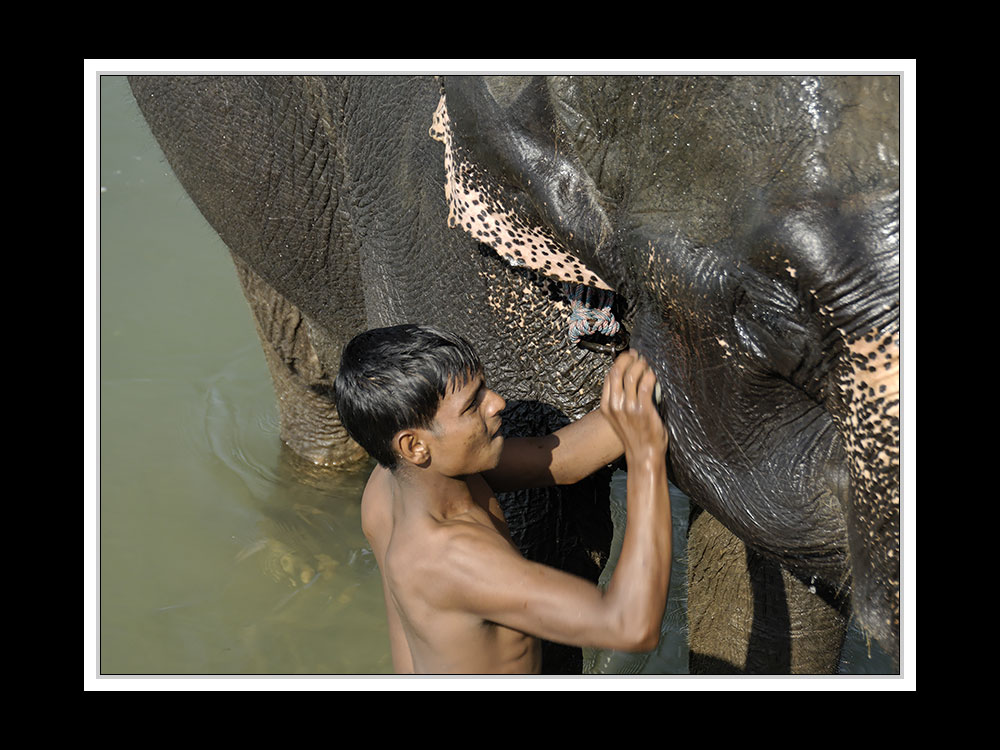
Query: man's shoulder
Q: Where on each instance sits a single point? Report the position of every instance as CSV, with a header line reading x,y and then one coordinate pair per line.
x,y
445,566
376,516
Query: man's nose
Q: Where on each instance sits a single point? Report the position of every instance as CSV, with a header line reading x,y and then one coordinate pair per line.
x,y
498,402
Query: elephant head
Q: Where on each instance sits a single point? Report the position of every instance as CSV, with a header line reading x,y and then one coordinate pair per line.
x,y
750,228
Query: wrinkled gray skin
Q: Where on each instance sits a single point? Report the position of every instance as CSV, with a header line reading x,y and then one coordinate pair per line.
x,y
748,226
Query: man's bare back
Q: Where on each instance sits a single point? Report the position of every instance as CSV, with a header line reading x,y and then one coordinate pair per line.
x,y
426,633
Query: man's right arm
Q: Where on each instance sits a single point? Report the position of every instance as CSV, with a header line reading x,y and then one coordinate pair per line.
x,y
644,562
487,577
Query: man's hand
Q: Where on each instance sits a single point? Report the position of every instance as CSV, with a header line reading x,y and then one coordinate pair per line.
x,y
627,403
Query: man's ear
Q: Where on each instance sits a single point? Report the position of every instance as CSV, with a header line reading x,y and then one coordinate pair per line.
x,y
411,447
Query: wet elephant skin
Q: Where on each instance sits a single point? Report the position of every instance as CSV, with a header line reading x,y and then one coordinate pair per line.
x,y
747,225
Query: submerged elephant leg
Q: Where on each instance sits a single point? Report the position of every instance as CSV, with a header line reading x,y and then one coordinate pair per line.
x,y
748,615
310,425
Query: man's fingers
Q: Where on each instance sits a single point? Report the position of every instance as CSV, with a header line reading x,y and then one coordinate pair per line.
x,y
616,376
635,375
622,363
631,381
646,384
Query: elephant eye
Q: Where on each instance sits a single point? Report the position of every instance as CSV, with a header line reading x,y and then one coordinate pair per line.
x,y
771,324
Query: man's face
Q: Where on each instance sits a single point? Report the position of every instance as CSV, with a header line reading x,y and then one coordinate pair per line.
x,y
465,437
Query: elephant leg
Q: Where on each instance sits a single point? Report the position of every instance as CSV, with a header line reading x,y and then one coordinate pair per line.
x,y
309,423
749,615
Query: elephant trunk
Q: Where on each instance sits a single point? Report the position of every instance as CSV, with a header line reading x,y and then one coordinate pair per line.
x,y
854,282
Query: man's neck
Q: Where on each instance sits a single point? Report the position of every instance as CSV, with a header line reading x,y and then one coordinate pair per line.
x,y
427,491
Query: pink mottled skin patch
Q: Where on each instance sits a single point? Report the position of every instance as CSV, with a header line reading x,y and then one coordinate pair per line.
x,y
477,207
871,391
873,394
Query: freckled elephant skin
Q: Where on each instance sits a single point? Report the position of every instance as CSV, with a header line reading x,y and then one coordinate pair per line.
x,y
748,226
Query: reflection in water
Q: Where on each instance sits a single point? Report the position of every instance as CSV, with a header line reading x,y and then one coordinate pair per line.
x,y
219,556
316,576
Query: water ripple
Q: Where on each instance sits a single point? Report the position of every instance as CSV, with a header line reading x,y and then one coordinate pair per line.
x,y
239,428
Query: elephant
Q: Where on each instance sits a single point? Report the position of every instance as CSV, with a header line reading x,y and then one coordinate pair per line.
x,y
741,232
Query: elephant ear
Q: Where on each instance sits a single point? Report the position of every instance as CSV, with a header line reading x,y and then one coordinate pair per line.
x,y
499,190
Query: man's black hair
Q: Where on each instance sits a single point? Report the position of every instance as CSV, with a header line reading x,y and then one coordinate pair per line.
x,y
394,378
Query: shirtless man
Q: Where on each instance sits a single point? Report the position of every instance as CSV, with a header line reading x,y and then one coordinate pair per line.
x,y
459,595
